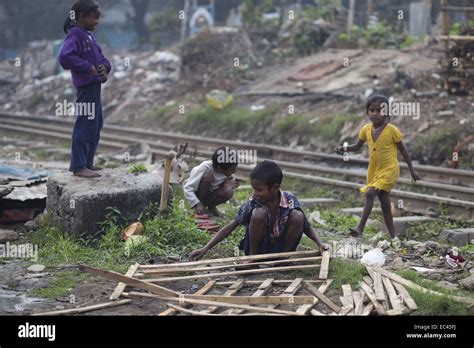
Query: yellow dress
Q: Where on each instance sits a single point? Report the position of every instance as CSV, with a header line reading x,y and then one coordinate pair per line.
x,y
383,171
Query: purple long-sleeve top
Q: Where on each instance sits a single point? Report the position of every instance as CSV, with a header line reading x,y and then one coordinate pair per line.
x,y
80,51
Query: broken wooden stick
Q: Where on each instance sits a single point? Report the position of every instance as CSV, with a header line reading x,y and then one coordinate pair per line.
x,y
165,184
370,294
405,295
203,313
262,289
392,295
415,286
172,270
275,282
182,300
254,300
234,259
234,273
323,272
121,286
326,300
201,291
305,309
154,289
84,309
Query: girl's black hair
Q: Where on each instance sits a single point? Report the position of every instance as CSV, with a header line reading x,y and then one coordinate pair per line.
x,y
376,98
80,7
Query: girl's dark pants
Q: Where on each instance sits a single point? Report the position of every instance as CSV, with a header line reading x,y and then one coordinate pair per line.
x,y
86,132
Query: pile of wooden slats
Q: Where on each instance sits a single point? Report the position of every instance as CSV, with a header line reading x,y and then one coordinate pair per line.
x,y
383,293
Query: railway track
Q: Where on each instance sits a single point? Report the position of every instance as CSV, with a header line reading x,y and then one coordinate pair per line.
x,y
428,173
419,197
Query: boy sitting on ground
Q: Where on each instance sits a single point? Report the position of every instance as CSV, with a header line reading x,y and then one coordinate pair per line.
x,y
211,183
274,220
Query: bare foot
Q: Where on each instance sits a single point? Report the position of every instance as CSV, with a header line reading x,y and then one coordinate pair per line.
x,y
355,232
86,173
95,169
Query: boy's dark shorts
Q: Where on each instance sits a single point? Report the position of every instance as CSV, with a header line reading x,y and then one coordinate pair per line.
x,y
268,245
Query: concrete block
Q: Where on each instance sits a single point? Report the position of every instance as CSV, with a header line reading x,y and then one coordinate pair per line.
x,y
402,223
458,237
77,205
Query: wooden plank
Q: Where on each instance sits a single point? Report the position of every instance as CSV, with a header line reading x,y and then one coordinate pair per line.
x,y
358,302
370,294
305,309
456,37
345,302
347,291
233,289
262,289
121,286
405,296
392,312
154,289
368,280
234,273
345,310
201,313
294,287
84,309
290,291
392,295
183,300
378,286
235,259
204,290
317,313
323,272
215,268
252,300
275,282
368,309
412,285
326,300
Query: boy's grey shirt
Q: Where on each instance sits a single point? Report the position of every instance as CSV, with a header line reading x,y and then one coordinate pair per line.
x,y
191,185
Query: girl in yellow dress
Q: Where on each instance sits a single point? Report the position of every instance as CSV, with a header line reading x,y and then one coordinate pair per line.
x,y
383,139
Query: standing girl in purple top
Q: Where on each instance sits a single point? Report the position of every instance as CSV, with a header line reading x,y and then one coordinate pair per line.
x,y
82,55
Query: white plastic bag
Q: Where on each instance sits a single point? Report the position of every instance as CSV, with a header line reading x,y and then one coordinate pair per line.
x,y
373,257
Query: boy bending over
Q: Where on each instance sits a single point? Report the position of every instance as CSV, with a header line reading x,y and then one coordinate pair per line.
x,y
211,183
274,221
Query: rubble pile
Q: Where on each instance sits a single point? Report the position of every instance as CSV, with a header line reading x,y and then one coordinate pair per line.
x,y
217,59
136,84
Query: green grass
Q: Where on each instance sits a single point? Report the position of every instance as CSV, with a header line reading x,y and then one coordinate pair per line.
x,y
137,168
232,118
345,272
433,304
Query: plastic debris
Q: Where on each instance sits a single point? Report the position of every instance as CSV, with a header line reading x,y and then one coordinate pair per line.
x,y
374,257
